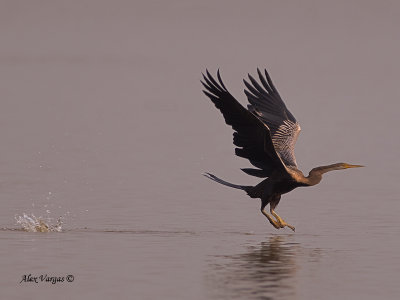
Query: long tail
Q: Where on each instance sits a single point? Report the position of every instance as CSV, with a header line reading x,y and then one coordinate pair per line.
x,y
245,188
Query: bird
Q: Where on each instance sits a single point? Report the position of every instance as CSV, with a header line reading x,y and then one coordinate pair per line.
x,y
265,133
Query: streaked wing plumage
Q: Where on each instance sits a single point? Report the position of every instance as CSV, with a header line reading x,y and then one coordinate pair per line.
x,y
268,106
251,135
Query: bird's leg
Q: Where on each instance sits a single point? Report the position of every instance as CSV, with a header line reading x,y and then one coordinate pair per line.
x,y
281,222
271,219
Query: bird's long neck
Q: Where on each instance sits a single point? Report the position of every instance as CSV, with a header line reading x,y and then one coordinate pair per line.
x,y
315,175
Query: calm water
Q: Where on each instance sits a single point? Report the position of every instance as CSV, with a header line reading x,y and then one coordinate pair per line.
x,y
103,124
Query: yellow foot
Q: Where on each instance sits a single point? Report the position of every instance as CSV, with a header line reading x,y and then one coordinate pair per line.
x,y
284,224
280,221
271,220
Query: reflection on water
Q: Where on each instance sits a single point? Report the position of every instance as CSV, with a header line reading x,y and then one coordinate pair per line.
x,y
263,272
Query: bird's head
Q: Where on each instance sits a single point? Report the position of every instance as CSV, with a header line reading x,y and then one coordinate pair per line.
x,y
315,174
338,166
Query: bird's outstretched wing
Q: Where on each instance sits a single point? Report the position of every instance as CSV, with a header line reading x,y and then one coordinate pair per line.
x,y
269,107
251,136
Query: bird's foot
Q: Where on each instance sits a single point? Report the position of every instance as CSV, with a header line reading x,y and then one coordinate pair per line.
x,y
284,224
271,220
281,222
274,223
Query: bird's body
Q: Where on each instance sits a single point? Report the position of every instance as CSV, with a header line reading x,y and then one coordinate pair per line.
x,y
265,134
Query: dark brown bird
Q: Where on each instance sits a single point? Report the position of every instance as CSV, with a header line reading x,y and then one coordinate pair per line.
x,y
265,134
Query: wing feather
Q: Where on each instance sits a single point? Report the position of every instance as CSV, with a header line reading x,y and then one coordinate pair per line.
x,y
251,136
268,106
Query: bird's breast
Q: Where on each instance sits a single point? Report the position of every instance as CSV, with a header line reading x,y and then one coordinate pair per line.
x,y
286,186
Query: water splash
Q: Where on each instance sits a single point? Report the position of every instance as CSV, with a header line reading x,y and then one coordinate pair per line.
x,y
31,223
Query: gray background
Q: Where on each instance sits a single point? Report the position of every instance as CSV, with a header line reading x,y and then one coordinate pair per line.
x,y
102,121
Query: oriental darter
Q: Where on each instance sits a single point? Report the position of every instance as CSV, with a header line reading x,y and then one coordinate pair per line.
x,y
265,134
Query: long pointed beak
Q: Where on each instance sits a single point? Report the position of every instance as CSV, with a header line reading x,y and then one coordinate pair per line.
x,y
354,166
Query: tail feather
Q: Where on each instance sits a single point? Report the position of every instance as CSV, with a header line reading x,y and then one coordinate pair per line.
x,y
219,180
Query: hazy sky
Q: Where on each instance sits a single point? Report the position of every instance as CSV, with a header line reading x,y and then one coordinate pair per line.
x,y
112,88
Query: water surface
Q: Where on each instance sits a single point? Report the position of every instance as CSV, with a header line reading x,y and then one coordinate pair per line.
x,y
103,124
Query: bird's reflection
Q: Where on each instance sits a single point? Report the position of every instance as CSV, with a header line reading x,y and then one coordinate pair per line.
x,y
265,271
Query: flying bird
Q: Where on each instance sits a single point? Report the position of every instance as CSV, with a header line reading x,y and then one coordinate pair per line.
x,y
265,133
